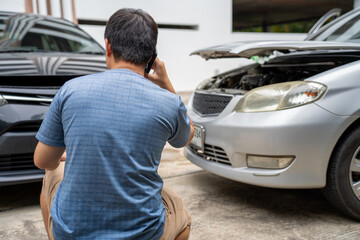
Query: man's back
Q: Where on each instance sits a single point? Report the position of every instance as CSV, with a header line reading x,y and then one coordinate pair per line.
x,y
115,125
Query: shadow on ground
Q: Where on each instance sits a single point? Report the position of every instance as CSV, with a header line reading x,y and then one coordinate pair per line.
x,y
275,202
214,189
16,196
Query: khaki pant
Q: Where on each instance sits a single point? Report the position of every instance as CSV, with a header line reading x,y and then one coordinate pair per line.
x,y
177,218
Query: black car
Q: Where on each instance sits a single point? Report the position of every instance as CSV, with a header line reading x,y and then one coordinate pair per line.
x,y
38,54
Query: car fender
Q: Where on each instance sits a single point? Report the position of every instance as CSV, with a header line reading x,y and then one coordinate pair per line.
x,y
343,89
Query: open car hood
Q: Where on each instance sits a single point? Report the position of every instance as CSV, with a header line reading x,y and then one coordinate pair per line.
x,y
248,49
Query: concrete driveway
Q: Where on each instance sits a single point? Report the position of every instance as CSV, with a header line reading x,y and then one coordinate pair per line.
x,y
221,208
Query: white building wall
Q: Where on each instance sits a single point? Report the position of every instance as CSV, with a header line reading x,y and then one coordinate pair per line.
x,y
356,3
42,7
214,18
12,5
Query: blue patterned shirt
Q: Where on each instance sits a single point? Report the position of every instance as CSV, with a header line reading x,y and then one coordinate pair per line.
x,y
114,126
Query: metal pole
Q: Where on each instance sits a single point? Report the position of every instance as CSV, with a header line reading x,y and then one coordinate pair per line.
x,y
37,7
61,9
29,6
73,11
48,6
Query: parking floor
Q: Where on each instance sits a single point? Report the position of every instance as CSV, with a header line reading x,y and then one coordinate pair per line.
x,y
221,208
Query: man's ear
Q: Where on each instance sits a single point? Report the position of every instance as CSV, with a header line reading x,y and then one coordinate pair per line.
x,y
108,48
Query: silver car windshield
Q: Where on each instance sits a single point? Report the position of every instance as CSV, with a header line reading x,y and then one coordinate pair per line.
x,y
345,30
36,33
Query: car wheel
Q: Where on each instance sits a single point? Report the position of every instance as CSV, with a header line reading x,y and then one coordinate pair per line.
x,y
343,176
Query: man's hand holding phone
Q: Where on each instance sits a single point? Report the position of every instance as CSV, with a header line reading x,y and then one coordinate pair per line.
x,y
159,76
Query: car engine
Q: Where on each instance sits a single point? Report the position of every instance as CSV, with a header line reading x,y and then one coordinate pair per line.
x,y
292,67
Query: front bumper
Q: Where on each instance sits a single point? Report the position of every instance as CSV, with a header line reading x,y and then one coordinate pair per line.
x,y
309,133
16,158
19,124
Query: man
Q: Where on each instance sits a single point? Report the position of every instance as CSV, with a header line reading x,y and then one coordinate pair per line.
x,y
114,126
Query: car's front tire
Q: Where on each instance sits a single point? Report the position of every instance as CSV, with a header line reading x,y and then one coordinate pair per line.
x,y
343,176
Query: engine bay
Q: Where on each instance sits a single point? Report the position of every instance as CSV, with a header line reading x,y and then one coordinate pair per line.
x,y
280,69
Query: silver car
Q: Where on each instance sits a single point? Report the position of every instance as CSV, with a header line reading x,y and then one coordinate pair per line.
x,y
290,119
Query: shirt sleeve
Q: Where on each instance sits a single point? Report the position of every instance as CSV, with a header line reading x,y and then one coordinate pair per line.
x,y
51,130
182,129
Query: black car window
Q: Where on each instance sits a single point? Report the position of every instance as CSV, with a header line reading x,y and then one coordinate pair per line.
x,y
39,33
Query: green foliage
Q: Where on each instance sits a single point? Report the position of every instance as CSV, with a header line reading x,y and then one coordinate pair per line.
x,y
293,27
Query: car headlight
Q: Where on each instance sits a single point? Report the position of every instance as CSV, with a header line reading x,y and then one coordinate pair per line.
x,y
281,96
2,101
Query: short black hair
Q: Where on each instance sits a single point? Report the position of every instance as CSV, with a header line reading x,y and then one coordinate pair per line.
x,y
132,34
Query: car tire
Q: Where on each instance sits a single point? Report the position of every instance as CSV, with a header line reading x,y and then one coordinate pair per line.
x,y
343,173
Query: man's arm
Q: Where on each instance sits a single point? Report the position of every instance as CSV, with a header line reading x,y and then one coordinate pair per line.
x,y
192,132
48,157
160,78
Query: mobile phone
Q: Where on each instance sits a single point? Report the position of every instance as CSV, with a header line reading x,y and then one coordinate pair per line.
x,y
151,62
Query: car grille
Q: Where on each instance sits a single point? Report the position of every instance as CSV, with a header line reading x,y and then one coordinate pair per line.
x,y
29,99
212,153
27,126
210,104
16,162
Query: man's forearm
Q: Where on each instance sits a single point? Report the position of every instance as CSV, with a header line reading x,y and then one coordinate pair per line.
x,y
192,132
47,157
